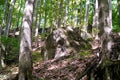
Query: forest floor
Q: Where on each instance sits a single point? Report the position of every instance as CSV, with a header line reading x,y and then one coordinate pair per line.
x,y
63,69
67,68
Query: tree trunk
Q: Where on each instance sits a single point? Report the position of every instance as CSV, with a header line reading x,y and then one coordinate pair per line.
x,y
45,16
9,17
86,15
81,15
4,18
95,20
66,12
2,63
105,26
18,17
84,35
110,13
105,32
0,49
25,62
76,14
35,16
118,1
36,30
60,4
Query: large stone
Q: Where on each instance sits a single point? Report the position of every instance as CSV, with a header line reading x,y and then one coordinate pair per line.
x,y
62,42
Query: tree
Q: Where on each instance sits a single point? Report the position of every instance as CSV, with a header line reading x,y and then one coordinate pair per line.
x,y
9,17
25,62
86,15
85,33
0,49
95,19
45,14
66,12
4,11
60,15
18,14
105,32
38,21
118,1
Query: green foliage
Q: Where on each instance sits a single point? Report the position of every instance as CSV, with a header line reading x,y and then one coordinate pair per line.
x,y
2,2
36,56
11,46
44,35
85,53
116,28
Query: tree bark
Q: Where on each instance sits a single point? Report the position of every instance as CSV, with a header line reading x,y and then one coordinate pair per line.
x,y
2,25
25,62
45,18
60,5
84,35
66,12
86,15
4,18
0,49
95,20
9,17
18,17
118,1
35,15
76,14
105,34
36,30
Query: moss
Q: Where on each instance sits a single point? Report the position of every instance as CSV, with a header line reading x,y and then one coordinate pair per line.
x,y
85,53
36,57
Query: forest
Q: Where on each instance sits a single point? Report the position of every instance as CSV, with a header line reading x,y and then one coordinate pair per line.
x,y
59,39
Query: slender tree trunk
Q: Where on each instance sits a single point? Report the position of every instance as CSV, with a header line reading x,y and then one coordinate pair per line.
x,y
45,18
36,30
51,19
2,63
71,11
18,17
110,13
38,21
35,13
81,16
66,13
0,49
76,15
86,16
16,31
60,4
4,12
9,17
95,20
118,1
55,11
25,62
85,35
2,55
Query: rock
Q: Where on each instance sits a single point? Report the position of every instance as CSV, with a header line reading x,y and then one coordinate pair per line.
x,y
63,41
